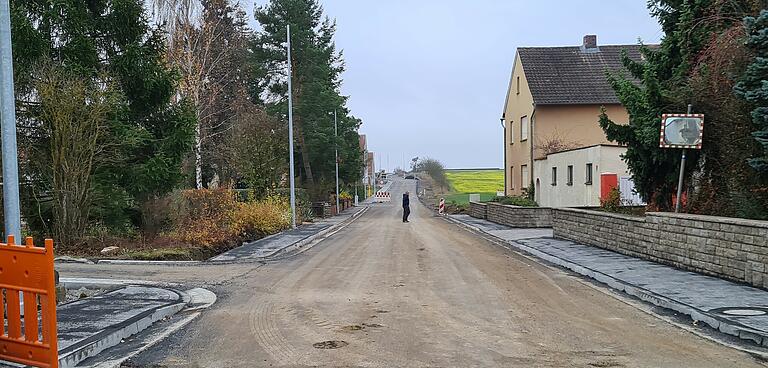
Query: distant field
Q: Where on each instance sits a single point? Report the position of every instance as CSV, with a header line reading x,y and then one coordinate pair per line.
x,y
483,182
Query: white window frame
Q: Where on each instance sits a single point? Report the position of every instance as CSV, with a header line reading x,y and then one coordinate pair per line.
x,y
524,121
525,178
554,175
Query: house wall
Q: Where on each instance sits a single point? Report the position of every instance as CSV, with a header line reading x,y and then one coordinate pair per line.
x,y
604,159
517,150
729,248
575,125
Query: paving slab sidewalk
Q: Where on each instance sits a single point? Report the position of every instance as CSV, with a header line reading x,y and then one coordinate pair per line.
x,y
732,308
89,326
272,245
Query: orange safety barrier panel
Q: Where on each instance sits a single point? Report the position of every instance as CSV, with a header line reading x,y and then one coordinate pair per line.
x,y
27,270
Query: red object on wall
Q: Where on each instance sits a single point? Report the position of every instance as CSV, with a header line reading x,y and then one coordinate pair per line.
x,y
608,181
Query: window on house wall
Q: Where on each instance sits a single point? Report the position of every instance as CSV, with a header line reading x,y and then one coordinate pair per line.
x,y
511,128
511,177
588,175
524,180
569,175
523,128
518,85
554,176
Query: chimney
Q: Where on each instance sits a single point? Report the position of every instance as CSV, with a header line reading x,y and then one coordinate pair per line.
x,y
590,43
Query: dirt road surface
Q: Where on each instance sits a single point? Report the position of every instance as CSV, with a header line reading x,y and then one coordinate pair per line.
x,y
382,293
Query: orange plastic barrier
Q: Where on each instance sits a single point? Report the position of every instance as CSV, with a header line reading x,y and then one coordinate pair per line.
x,y
28,270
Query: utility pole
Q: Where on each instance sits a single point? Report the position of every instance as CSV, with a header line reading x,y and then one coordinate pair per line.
x,y
336,134
11,208
682,169
290,133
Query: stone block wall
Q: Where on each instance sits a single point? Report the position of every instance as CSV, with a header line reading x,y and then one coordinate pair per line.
x,y
515,216
478,210
734,249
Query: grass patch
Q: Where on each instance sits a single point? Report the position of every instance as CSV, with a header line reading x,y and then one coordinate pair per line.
x,y
164,254
463,198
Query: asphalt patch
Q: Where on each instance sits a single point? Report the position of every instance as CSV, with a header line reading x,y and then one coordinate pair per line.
x,y
330,344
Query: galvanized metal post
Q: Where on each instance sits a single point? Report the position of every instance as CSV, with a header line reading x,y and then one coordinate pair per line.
x,y
290,134
11,208
680,178
336,134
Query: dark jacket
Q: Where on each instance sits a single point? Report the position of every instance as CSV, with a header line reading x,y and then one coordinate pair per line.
x,y
406,200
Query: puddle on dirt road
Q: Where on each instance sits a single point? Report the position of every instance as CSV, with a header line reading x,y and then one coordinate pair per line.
x,y
330,344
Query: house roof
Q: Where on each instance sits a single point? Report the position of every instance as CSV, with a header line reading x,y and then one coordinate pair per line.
x,y
572,75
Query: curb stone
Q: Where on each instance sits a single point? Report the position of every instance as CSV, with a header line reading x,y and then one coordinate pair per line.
x,y
724,326
310,239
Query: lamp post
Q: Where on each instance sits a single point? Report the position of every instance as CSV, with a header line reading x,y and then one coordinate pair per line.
x,y
290,133
504,160
336,134
11,206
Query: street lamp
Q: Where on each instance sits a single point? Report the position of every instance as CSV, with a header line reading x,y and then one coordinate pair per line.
x,y
336,144
11,205
504,160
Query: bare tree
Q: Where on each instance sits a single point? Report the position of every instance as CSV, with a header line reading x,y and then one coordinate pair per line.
x,y
553,143
204,40
73,115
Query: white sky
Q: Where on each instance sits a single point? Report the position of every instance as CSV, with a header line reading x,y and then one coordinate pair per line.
x,y
429,77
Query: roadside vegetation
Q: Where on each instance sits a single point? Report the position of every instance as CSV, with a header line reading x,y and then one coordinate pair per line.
x,y
713,57
137,121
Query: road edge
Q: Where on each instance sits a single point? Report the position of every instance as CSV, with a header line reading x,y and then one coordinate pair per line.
x,y
746,335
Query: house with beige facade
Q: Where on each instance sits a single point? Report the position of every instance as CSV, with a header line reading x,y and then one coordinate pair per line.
x,y
553,104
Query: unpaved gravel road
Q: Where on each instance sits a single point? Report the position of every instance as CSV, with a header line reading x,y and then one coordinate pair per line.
x,y
422,294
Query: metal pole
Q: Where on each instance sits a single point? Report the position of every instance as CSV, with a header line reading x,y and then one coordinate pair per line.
x,y
11,209
290,133
680,178
336,134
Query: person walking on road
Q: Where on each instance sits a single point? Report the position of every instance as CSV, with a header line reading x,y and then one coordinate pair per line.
x,y
406,206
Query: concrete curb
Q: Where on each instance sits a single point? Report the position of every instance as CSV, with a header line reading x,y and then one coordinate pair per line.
x,y
113,335
724,326
310,239
139,262
295,246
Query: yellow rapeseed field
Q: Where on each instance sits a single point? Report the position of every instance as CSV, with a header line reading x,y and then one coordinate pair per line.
x,y
476,181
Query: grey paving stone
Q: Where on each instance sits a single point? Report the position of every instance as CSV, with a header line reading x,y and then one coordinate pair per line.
x,y
271,244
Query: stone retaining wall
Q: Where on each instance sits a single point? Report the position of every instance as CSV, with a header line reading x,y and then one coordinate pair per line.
x,y
478,210
516,216
734,249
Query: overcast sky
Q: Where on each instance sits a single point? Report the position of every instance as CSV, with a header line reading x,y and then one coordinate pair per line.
x,y
429,77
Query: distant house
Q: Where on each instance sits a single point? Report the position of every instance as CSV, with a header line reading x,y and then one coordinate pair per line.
x,y
552,105
369,169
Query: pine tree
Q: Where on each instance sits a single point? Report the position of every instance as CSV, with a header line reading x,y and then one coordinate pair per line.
x,y
144,136
753,88
317,69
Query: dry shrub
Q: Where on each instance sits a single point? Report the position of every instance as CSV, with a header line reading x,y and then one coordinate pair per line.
x,y
214,217
260,218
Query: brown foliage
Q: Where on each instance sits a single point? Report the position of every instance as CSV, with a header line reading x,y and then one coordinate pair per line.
x,y
724,174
